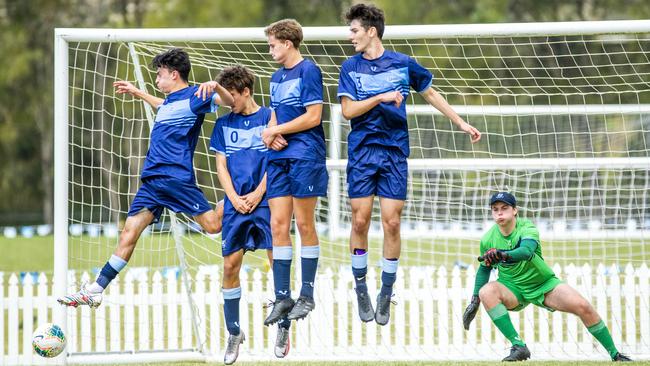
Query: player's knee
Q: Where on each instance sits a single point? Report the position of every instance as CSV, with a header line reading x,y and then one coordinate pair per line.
x,y
360,224
583,307
391,225
305,227
212,227
279,226
230,270
487,292
128,237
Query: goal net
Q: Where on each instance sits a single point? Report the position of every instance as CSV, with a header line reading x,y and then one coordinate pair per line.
x,y
564,109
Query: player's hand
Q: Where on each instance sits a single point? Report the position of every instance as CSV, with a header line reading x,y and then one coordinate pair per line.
x,y
278,143
125,87
206,89
470,311
240,204
494,256
392,97
268,135
474,134
253,199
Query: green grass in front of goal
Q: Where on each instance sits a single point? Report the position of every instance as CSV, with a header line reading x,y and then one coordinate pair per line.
x,y
157,251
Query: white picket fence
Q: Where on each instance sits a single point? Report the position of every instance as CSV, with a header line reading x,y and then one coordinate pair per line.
x,y
148,317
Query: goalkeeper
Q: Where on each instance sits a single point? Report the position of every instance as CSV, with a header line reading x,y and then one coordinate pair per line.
x,y
512,246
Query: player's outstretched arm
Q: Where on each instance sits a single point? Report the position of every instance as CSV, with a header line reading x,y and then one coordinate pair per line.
x,y
125,87
226,182
222,96
436,100
355,108
310,119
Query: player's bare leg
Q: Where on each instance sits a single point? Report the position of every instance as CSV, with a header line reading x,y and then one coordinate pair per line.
x,y
304,209
361,216
497,299
391,217
211,221
281,213
92,295
565,298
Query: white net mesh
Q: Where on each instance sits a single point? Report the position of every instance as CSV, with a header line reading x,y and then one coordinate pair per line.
x,y
542,103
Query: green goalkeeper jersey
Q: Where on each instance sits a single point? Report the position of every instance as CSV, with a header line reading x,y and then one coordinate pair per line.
x,y
528,274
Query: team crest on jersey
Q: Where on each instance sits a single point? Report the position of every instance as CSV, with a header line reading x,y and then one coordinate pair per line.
x,y
311,188
373,68
283,76
196,206
247,122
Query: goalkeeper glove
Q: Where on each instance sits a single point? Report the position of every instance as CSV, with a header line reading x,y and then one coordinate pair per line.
x,y
494,256
470,311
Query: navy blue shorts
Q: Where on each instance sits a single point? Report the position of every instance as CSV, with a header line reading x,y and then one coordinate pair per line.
x,y
249,232
297,178
179,196
379,171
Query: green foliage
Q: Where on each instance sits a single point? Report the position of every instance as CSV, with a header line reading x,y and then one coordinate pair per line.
x,y
26,49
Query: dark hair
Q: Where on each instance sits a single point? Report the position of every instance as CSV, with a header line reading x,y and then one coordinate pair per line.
x,y
237,77
174,60
368,16
285,30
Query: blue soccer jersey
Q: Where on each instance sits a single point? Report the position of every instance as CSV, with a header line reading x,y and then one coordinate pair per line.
x,y
292,90
239,138
384,125
174,136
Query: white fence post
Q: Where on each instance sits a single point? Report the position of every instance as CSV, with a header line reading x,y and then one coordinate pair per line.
x,y
644,307
443,311
142,301
129,312
630,307
614,294
12,321
157,294
2,316
28,317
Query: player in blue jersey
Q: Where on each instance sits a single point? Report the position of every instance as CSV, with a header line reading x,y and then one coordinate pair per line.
x,y
168,179
373,85
297,175
241,167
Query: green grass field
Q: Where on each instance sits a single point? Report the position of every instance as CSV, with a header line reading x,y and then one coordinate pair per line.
x,y
85,253
388,363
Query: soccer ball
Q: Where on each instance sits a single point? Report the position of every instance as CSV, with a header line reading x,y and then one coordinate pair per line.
x,y
48,340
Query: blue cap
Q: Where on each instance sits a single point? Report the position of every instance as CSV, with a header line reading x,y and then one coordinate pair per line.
x,y
504,197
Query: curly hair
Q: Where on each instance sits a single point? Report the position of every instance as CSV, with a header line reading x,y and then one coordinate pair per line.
x,y
174,60
368,15
237,77
286,30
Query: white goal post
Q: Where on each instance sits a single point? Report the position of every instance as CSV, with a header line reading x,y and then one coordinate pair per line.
x,y
565,115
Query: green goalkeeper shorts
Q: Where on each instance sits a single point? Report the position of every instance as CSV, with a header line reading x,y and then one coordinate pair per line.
x,y
532,295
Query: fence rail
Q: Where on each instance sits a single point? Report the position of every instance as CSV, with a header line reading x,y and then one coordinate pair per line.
x,y
145,313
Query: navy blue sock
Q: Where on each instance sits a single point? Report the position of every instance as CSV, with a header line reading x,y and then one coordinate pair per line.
x,y
388,275
309,263
231,297
110,270
285,323
282,272
360,269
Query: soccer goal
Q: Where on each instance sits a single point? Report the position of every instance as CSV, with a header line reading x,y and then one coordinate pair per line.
x,y
564,109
